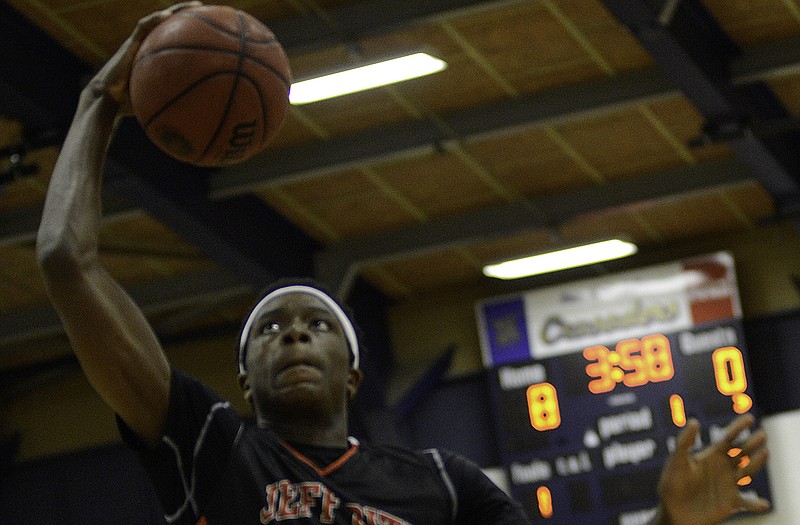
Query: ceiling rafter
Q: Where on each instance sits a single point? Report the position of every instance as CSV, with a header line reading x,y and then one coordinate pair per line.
x,y
416,137
154,297
349,23
340,262
695,54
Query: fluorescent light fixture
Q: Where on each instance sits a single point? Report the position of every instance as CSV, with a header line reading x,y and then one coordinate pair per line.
x,y
364,77
561,259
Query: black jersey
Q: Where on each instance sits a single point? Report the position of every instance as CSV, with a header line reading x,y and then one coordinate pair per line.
x,y
213,468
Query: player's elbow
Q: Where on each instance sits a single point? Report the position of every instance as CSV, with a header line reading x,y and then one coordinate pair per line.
x,y
56,256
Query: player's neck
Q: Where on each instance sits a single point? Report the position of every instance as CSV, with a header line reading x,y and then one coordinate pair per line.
x,y
310,432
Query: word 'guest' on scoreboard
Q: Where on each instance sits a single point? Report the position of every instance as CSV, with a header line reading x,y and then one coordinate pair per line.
x,y
592,381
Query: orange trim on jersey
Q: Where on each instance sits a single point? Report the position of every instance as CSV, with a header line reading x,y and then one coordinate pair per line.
x,y
202,521
330,468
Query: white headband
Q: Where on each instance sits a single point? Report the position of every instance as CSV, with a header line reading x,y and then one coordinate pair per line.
x,y
347,325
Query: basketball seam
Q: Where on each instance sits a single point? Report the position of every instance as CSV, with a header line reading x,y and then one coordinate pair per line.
x,y
232,93
261,63
264,106
264,109
184,92
222,29
193,85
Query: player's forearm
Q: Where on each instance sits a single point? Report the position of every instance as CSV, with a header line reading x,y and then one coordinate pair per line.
x,y
69,230
112,339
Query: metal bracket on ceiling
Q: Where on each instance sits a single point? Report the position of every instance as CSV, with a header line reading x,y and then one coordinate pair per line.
x,y
722,130
14,166
12,158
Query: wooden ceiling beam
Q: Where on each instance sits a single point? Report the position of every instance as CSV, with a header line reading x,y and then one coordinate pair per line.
x,y
339,263
34,95
415,137
349,23
695,54
241,234
161,295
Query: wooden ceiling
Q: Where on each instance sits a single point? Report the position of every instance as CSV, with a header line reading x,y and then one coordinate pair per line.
x,y
555,122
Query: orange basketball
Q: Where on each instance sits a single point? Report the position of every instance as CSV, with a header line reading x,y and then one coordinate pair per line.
x,y
210,85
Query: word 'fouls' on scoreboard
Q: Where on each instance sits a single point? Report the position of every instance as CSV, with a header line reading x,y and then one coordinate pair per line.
x,y
592,382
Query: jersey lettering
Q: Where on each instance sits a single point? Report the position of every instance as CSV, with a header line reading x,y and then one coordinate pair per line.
x,y
267,513
329,505
288,508
373,516
310,492
286,501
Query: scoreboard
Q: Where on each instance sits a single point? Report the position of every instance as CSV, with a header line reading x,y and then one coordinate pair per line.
x,y
592,381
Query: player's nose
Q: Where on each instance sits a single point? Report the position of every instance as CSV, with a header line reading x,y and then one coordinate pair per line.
x,y
295,334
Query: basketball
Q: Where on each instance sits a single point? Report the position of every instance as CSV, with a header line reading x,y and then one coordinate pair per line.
x,y
210,85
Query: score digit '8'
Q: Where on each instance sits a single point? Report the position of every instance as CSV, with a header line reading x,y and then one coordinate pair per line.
x,y
543,406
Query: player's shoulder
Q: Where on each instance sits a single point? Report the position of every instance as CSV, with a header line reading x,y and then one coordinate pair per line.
x,y
428,459
184,383
394,453
191,398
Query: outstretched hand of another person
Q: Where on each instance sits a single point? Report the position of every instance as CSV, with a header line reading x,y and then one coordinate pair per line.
x,y
701,488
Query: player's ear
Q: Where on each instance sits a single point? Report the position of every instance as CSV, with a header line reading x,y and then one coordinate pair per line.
x,y
353,380
244,384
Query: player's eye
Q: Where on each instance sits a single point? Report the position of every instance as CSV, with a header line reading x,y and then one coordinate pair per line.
x,y
270,327
321,325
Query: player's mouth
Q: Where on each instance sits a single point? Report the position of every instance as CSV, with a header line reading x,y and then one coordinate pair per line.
x,y
298,372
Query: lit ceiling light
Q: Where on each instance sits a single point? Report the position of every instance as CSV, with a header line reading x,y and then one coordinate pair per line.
x,y
561,259
364,77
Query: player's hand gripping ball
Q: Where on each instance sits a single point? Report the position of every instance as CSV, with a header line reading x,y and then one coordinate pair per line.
x,y
210,85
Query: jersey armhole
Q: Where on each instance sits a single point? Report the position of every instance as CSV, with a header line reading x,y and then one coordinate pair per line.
x,y
436,456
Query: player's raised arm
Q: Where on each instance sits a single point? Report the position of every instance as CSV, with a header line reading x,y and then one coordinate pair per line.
x,y
113,341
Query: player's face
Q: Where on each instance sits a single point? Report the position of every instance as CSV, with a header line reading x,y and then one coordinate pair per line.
x,y
298,359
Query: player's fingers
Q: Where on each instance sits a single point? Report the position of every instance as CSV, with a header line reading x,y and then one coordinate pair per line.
x,y
686,439
184,5
755,442
753,463
113,78
734,430
179,6
149,22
